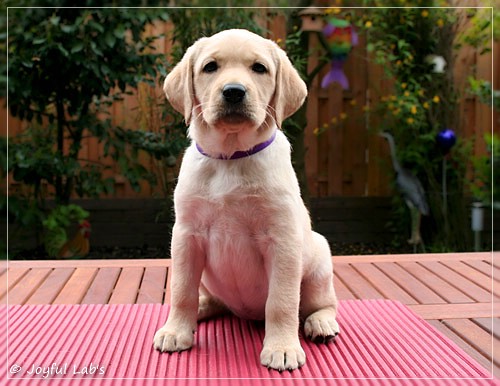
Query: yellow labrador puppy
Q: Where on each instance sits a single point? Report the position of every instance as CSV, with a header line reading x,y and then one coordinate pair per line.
x,y
242,239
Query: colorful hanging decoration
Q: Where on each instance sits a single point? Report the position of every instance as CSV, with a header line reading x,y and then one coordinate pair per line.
x,y
340,37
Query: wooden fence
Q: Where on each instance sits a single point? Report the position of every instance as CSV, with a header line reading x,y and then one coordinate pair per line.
x,y
345,161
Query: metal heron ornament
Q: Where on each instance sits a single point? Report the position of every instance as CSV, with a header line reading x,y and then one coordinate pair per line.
x,y
412,191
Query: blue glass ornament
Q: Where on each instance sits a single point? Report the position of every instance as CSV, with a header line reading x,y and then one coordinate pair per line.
x,y
446,139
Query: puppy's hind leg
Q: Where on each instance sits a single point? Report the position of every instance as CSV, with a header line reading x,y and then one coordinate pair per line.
x,y
209,306
318,299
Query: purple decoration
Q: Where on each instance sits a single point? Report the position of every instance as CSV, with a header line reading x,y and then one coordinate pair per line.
x,y
336,74
446,139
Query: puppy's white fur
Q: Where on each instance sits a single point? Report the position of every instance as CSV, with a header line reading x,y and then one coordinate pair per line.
x,y
242,239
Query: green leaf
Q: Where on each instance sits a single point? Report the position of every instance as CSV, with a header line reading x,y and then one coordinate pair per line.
x,y
77,47
110,39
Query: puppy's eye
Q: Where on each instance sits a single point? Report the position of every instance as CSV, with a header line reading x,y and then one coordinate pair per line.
x,y
210,67
259,68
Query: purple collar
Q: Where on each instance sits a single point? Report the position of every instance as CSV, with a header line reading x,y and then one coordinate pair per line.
x,y
242,154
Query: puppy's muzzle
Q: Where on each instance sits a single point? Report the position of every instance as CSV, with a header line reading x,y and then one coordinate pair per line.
x,y
234,93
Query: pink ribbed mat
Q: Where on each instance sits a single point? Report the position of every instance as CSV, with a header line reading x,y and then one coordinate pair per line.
x,y
382,342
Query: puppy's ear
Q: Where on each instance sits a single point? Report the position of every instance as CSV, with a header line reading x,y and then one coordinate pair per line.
x,y
178,85
291,90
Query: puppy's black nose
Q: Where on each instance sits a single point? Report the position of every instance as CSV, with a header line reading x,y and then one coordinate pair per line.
x,y
234,92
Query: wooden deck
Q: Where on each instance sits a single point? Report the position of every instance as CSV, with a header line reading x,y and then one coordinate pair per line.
x,y
457,293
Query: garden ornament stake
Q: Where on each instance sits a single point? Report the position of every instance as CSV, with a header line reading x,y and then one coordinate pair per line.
x,y
412,191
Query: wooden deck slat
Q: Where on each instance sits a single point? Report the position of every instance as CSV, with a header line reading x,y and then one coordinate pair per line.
x,y
474,335
454,311
127,286
466,346
356,283
24,288
490,325
423,272
384,284
101,288
51,287
152,288
76,287
478,278
10,279
419,290
341,290
420,257
487,269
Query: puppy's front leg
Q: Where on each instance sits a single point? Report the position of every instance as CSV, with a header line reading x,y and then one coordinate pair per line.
x,y
188,261
282,350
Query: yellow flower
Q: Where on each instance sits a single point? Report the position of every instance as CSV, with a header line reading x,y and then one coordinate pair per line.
x,y
333,10
353,102
316,131
425,13
399,63
396,112
393,97
410,121
413,109
368,24
426,105
334,120
278,41
366,108
406,94
436,99
404,85
440,23
421,92
343,116
325,125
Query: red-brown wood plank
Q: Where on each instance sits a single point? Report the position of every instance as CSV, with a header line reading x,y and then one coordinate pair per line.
x,y
77,286
464,345
436,283
341,290
415,288
101,288
478,338
10,279
24,288
384,284
454,311
477,277
127,286
356,283
490,325
51,286
153,283
486,268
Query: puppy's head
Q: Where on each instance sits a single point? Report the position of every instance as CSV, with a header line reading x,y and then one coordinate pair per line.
x,y
236,85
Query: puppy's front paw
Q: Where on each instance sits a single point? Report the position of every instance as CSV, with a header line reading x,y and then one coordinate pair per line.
x,y
166,340
321,326
279,356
